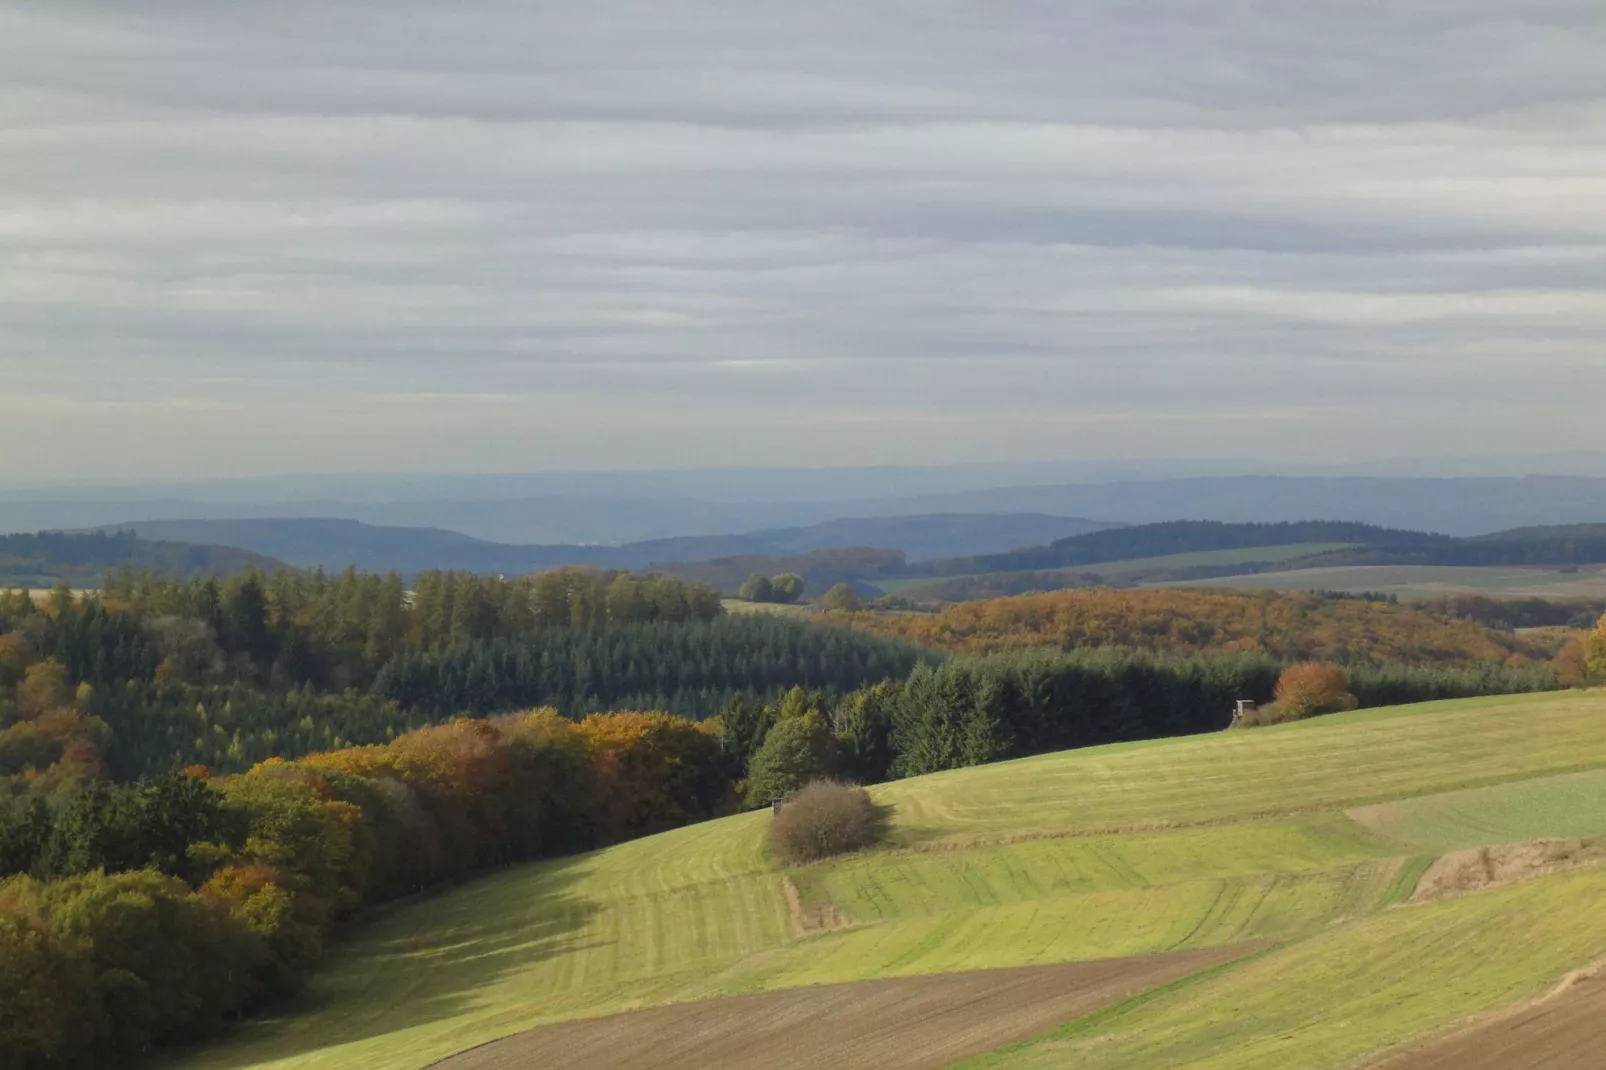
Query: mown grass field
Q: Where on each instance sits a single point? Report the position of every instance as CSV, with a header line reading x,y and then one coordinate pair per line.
x,y
1112,851
1345,995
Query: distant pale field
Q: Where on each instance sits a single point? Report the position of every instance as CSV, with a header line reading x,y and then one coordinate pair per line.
x,y
40,594
737,605
1425,581
1113,570
1199,842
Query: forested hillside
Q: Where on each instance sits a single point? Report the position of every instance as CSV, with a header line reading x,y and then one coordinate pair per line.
x,y
1186,621
821,570
79,560
336,544
157,673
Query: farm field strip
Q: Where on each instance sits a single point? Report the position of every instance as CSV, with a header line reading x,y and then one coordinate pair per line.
x,y
1571,805
883,886
1353,991
1098,925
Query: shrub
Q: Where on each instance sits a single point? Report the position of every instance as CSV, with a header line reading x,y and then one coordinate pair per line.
x,y
1572,664
1311,689
826,818
842,598
786,588
757,588
1595,652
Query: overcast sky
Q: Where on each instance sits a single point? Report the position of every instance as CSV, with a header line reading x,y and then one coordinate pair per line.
x,y
242,238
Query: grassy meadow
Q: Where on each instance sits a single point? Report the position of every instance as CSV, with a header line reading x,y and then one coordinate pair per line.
x,y
1309,836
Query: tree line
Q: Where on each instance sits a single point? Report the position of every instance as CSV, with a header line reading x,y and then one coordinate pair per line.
x,y
972,710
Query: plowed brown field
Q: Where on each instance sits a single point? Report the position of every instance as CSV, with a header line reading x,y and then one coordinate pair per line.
x,y
1566,1031
908,1023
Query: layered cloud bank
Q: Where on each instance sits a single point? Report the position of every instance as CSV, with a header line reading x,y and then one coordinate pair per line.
x,y
239,238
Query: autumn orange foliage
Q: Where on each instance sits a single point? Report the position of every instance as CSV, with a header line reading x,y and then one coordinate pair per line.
x,y
1188,621
1313,688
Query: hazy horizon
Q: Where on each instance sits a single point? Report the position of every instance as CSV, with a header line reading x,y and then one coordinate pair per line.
x,y
976,474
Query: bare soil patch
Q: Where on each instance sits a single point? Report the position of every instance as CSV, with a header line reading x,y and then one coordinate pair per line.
x,y
907,1023
808,919
1490,867
1565,1030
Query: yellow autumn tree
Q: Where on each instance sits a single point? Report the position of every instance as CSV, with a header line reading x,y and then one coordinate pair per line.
x,y
1595,652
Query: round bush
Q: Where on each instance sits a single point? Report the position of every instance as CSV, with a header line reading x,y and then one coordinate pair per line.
x,y
826,818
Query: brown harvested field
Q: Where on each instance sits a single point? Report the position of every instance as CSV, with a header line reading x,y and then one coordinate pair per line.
x,y
1565,1031
908,1023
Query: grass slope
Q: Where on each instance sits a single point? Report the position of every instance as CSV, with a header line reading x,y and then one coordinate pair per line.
x,y
1566,806
1331,763
1110,851
1342,996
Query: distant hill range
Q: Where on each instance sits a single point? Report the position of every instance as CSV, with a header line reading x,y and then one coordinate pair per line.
x,y
1094,554
336,544
619,508
1181,551
49,558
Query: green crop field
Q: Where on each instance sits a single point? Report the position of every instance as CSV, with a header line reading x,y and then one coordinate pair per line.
x,y
1569,805
1111,851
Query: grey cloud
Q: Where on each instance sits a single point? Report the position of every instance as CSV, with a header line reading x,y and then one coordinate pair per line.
x,y
1018,228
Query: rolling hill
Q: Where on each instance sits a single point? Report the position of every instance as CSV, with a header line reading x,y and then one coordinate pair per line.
x,y
1291,625
1294,896
622,507
49,558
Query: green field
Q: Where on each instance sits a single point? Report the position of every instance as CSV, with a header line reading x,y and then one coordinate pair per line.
x,y
1567,806
1105,852
1348,994
1424,581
